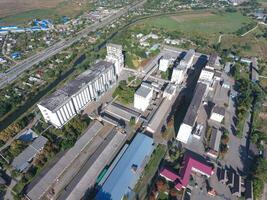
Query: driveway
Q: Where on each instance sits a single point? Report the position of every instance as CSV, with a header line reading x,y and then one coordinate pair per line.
x,y
237,155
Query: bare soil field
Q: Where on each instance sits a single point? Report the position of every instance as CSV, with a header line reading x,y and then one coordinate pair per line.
x,y
182,18
13,12
11,7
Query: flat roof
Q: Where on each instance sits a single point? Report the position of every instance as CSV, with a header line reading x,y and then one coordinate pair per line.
x,y
192,110
64,93
22,160
212,59
128,170
88,179
159,115
248,189
236,188
39,189
215,139
115,45
188,55
121,111
219,110
143,91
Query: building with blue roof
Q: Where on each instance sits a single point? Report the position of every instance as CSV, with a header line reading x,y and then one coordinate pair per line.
x,y
128,170
16,55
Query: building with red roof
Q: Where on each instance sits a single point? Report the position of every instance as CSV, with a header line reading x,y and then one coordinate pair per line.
x,y
190,164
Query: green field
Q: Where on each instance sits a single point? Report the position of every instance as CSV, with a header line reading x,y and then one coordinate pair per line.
x,y
202,22
27,16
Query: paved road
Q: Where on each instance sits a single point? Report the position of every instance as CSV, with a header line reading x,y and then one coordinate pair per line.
x,y
13,73
264,194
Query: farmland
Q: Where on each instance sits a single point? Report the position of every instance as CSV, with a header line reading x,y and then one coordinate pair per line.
x,y
201,22
21,11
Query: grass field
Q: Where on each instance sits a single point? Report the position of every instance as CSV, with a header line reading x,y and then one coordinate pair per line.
x,y
202,22
208,25
22,11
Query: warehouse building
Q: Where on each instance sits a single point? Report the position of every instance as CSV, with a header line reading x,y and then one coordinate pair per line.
x,y
214,143
128,170
69,100
46,183
189,121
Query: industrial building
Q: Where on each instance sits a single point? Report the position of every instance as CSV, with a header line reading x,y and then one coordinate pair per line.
x,y
213,62
69,100
164,64
217,114
72,98
187,60
46,183
207,75
143,96
189,121
115,55
214,143
128,169
179,72
117,114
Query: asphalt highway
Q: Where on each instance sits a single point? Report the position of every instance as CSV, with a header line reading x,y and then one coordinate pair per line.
x,y
12,74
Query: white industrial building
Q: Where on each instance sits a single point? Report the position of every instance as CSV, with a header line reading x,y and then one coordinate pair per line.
x,y
178,75
217,114
115,55
189,121
169,91
143,97
213,62
69,100
206,75
164,64
187,60
179,72
72,98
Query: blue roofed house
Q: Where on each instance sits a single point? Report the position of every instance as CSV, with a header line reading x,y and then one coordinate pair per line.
x,y
28,135
16,55
128,170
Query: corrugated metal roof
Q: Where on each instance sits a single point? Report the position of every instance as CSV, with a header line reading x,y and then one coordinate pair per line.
x,y
39,189
128,170
22,161
191,113
63,94
215,139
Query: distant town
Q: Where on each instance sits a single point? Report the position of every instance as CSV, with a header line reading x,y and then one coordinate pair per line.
x,y
142,99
